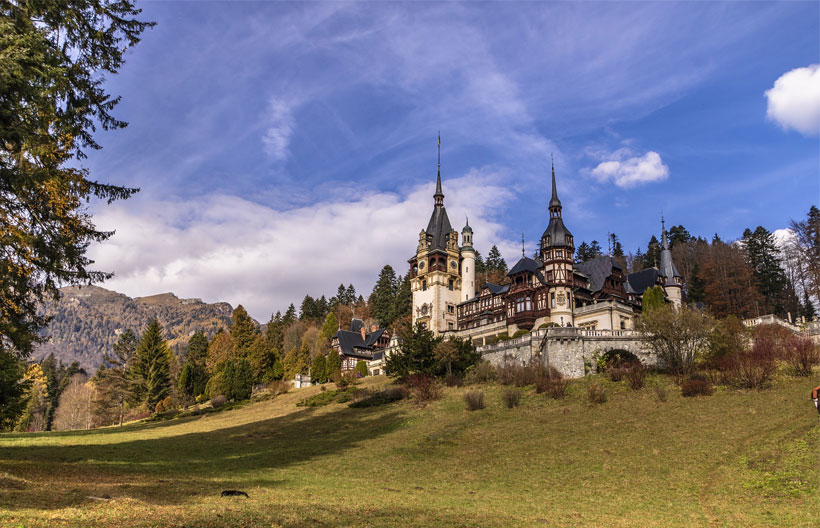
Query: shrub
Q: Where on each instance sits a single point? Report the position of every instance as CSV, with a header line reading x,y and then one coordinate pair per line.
x,y
802,355
557,388
616,373
544,379
397,393
474,400
218,401
521,375
636,375
345,379
511,398
753,369
361,369
159,408
596,394
481,372
365,398
696,385
279,387
424,388
453,380
519,333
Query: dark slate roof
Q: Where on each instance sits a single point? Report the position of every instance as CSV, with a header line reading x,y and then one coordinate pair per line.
x,y
352,344
598,269
525,264
557,232
496,289
438,229
641,281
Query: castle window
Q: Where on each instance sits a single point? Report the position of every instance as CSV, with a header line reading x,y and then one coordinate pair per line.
x,y
424,285
450,284
559,253
450,326
552,300
549,275
449,308
523,304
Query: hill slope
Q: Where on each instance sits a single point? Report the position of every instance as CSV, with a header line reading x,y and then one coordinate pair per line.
x,y
87,321
731,459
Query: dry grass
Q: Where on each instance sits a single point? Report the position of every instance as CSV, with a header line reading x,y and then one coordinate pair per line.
x,y
631,461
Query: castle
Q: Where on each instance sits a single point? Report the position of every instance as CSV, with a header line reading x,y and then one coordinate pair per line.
x,y
550,290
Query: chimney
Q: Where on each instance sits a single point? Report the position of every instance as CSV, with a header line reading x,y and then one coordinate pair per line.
x,y
373,327
364,334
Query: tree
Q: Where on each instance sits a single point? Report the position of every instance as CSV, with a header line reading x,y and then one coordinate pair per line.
x,y
243,331
220,351
318,369
416,354
445,353
290,315
652,299
262,358
495,262
152,365
730,286
382,299
403,301
333,365
193,378
361,369
807,248
678,235
13,389
54,63
275,331
113,383
729,336
762,255
57,379
652,257
679,336
586,252
350,295
34,415
74,409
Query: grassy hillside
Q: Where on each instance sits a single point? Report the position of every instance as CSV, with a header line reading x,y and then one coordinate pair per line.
x,y
88,320
731,459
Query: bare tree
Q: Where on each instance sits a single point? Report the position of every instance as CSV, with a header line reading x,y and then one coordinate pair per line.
x,y
74,409
679,336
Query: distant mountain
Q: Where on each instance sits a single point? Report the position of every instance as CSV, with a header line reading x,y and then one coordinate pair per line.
x,y
88,320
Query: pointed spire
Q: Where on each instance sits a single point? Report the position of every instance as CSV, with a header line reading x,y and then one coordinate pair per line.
x,y
555,203
439,196
664,239
523,254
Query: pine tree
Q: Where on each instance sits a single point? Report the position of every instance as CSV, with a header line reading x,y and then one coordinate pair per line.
x,y
808,248
261,358
808,308
383,297
582,252
403,301
678,235
113,383
652,257
220,351
152,360
594,250
318,369
762,255
480,266
495,262
290,315
243,331
652,299
275,332
350,295
333,365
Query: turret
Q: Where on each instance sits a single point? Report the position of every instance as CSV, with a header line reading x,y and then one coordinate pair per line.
x,y
673,282
468,256
557,251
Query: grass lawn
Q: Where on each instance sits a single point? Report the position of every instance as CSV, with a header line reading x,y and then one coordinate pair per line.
x,y
730,459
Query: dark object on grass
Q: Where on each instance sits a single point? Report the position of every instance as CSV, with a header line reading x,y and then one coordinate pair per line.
x,y
474,400
696,385
234,493
511,398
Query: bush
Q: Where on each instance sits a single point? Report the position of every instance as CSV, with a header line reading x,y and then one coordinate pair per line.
x,y
218,401
279,387
696,385
636,375
753,369
453,380
557,388
159,408
596,394
345,379
544,379
802,355
616,373
361,369
519,333
424,388
521,375
371,399
511,398
481,372
474,400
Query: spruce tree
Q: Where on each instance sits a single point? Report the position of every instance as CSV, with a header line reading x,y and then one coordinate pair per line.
x,y
582,252
275,332
403,301
652,257
290,315
152,365
318,369
383,297
594,250
113,383
495,262
763,257
678,235
333,365
350,295
652,299
243,331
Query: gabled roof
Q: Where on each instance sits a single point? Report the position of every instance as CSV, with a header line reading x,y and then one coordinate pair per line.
x,y
496,289
641,281
598,269
525,264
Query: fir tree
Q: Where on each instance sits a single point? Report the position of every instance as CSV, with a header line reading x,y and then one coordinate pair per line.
x,y
762,254
403,301
350,295
652,299
290,315
261,358
275,332
113,383
383,297
652,257
152,365
495,262
678,235
243,331
318,369
333,365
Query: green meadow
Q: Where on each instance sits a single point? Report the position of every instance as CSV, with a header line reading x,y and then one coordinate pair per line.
x,y
730,459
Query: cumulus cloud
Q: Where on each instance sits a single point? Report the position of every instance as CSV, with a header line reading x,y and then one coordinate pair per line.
x,y
628,172
276,140
794,100
225,248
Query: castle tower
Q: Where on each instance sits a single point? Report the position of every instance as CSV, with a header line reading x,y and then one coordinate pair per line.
x,y
673,282
435,270
557,252
468,255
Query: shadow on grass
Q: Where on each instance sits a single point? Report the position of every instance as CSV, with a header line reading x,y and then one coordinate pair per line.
x,y
173,469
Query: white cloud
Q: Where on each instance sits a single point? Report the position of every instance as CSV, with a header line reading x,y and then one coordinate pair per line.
x,y
225,248
629,172
280,128
794,100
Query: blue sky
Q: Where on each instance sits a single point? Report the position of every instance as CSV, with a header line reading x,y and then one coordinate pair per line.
x,y
284,148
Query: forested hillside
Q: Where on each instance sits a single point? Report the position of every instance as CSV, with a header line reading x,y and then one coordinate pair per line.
x,y
88,320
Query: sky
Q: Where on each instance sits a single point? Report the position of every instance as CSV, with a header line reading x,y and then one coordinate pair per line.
x,y
284,148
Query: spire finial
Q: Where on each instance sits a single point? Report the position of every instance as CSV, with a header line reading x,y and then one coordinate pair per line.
x,y
664,239
555,203
439,196
523,254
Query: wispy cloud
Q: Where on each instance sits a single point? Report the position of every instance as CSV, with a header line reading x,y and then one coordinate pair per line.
x,y
280,128
794,100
